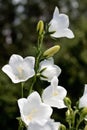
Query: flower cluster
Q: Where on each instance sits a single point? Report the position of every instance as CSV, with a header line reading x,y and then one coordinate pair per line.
x,y
36,110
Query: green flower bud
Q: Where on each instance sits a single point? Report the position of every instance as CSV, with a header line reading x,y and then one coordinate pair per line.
x,y
84,112
62,127
40,27
67,101
51,51
85,127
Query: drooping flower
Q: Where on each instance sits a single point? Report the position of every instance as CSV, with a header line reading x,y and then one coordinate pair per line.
x,y
50,70
54,95
49,125
19,69
33,110
59,25
83,99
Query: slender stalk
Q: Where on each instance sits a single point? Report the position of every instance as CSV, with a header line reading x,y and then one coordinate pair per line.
x,y
32,84
20,127
22,93
38,55
78,123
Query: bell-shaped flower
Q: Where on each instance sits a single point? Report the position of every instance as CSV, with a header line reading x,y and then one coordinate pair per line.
x,y
49,125
33,110
59,25
19,69
83,99
49,69
54,95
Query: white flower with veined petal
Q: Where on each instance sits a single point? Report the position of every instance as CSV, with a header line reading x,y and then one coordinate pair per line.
x,y
33,110
50,70
54,95
83,99
49,125
59,25
19,69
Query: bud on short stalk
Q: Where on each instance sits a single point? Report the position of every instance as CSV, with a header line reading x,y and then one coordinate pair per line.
x,y
62,127
51,51
84,112
67,102
85,127
40,27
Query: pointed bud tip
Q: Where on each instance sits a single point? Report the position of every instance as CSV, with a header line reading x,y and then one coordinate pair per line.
x,y
40,27
67,101
51,51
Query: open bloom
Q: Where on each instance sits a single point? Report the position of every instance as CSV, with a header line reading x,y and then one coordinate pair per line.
x,y
54,95
83,99
33,110
49,69
20,69
59,25
49,125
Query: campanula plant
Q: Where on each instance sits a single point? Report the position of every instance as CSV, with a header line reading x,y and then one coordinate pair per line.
x,y
37,109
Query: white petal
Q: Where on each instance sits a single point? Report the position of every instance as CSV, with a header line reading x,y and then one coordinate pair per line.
x,y
46,62
47,93
54,95
56,13
42,118
21,103
51,69
19,69
63,33
49,125
83,101
54,81
85,90
59,24
8,70
15,60
32,108
30,61
63,21
61,92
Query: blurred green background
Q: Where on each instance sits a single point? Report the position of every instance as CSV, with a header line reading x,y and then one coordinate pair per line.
x,y
18,20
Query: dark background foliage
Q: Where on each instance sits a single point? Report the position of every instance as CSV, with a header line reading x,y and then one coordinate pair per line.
x,y
18,20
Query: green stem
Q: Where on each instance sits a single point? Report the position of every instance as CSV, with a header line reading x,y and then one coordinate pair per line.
x,y
38,56
77,126
21,125
39,51
33,82
22,85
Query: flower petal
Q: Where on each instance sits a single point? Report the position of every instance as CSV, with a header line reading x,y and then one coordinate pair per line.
x,y
59,25
50,71
83,101
19,69
31,109
49,125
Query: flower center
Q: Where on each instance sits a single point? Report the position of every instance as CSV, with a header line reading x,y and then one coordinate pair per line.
x,y
55,93
20,70
31,114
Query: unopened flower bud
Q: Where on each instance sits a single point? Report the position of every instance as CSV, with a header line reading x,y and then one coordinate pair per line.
x,y
85,127
68,113
51,51
62,127
67,101
84,112
40,27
